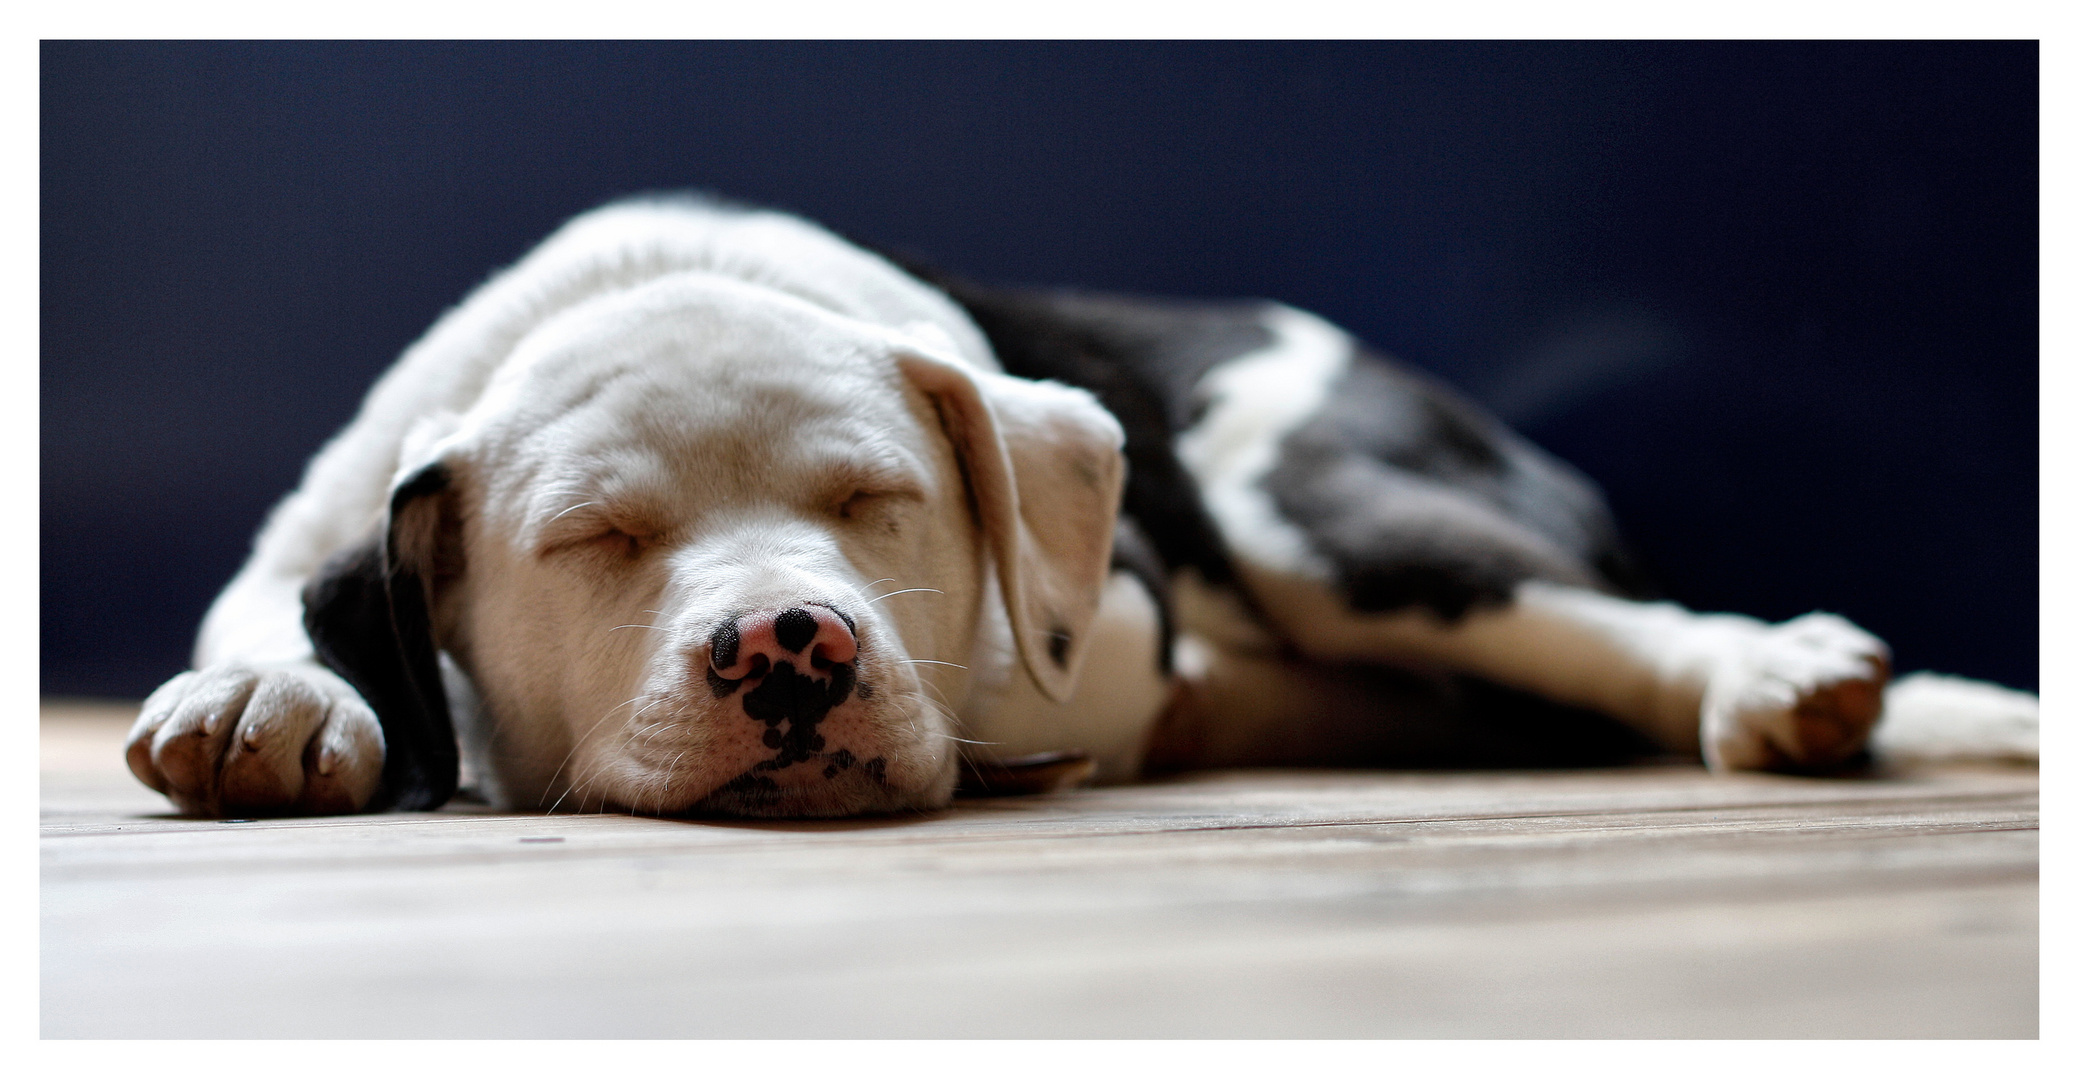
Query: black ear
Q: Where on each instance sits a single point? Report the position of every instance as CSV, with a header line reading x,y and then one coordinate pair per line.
x,y
368,613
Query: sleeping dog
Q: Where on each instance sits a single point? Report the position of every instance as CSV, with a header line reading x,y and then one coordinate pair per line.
x,y
701,509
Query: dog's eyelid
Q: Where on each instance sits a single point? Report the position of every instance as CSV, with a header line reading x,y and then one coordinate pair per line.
x,y
855,499
610,539
594,526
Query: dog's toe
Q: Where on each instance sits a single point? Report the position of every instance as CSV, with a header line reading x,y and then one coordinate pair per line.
x,y
189,745
263,762
343,762
157,710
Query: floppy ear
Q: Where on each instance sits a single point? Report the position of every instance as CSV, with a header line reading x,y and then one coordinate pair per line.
x,y
1044,464
368,611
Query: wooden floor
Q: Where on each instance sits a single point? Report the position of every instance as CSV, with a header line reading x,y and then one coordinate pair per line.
x,y
1649,902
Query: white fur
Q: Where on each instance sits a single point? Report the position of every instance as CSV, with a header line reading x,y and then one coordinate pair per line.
x,y
1930,717
1252,401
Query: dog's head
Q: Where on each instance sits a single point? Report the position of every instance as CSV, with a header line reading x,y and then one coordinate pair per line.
x,y
705,547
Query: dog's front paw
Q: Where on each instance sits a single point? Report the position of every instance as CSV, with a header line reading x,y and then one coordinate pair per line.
x,y
1804,695
234,740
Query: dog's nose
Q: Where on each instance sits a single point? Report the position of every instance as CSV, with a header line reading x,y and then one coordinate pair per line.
x,y
810,637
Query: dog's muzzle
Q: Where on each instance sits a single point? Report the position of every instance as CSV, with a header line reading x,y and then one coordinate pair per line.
x,y
788,670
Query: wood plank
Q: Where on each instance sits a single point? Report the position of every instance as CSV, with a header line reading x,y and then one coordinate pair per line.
x,y
1659,902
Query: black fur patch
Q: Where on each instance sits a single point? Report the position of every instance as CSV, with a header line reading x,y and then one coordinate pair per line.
x,y
369,620
1417,498
1373,715
1132,553
799,702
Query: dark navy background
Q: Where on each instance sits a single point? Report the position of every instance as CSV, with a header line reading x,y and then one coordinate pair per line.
x,y
1779,298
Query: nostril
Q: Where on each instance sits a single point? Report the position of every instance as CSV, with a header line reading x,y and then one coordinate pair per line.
x,y
723,645
836,642
795,629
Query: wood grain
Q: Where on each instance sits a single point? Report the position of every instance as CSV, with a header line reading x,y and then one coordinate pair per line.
x,y
1654,902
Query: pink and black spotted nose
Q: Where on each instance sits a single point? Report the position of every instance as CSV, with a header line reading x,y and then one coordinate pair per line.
x,y
809,638
793,667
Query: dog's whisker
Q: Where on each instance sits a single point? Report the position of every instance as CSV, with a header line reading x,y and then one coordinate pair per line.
x,y
958,739
654,784
664,779
575,745
944,712
604,762
938,702
644,732
900,592
941,663
580,506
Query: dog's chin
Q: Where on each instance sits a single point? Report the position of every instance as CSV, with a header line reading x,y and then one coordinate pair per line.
x,y
815,789
859,758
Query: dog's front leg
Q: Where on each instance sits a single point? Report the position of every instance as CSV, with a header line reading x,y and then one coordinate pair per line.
x,y
259,726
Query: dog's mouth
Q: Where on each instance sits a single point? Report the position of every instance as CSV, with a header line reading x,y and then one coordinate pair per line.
x,y
826,745
792,746
793,706
835,784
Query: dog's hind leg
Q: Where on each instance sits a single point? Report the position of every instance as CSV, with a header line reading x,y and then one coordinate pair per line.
x,y
1374,516
1740,692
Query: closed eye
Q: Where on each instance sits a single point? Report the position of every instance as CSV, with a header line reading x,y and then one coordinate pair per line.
x,y
857,504
871,501
616,542
584,534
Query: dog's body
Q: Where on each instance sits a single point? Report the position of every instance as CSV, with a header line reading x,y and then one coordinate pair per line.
x,y
699,508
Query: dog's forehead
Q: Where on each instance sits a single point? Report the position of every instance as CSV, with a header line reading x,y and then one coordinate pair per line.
x,y
710,383
764,422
